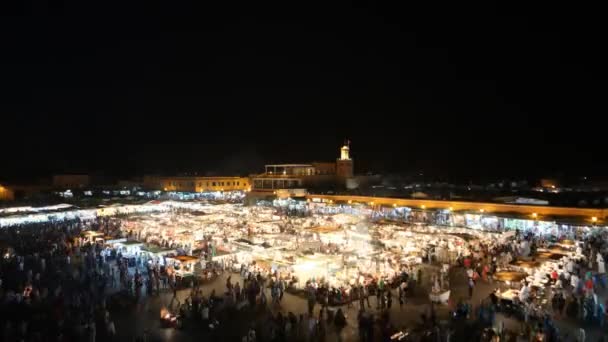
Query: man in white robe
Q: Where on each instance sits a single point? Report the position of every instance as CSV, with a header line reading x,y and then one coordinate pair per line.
x,y
524,293
570,266
574,280
601,266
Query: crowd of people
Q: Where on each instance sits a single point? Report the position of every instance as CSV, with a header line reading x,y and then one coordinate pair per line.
x,y
54,287
571,293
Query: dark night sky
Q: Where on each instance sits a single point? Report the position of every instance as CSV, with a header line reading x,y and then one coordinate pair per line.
x,y
455,91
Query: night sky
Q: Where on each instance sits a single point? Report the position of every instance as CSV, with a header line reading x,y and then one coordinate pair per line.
x,y
452,91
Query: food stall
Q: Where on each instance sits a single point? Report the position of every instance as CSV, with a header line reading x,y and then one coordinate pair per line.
x,y
183,267
90,236
129,250
157,254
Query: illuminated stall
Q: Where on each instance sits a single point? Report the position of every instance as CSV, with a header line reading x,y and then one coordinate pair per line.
x,y
182,265
90,236
129,248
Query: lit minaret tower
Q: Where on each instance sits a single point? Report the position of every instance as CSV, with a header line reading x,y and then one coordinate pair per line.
x,y
344,164
344,153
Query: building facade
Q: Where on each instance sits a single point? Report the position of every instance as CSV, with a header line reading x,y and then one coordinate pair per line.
x,y
6,194
304,176
196,184
71,181
344,164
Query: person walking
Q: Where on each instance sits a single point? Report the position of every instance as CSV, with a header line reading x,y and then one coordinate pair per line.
x,y
362,326
312,328
361,297
340,323
471,286
349,298
324,298
380,295
311,301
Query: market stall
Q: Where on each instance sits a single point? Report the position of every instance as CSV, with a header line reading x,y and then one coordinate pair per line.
x,y
90,236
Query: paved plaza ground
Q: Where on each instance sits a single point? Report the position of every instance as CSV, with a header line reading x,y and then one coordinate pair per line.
x,y
144,317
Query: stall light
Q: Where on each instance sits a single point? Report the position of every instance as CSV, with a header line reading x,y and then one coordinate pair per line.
x,y
450,208
350,201
481,210
423,206
594,219
535,215
395,205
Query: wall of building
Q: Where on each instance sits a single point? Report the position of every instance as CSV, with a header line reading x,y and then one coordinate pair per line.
x,y
322,168
294,182
71,181
320,181
6,194
289,170
125,183
152,182
202,184
268,182
344,168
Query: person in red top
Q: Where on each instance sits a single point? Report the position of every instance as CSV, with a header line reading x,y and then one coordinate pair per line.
x,y
484,273
554,276
467,263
